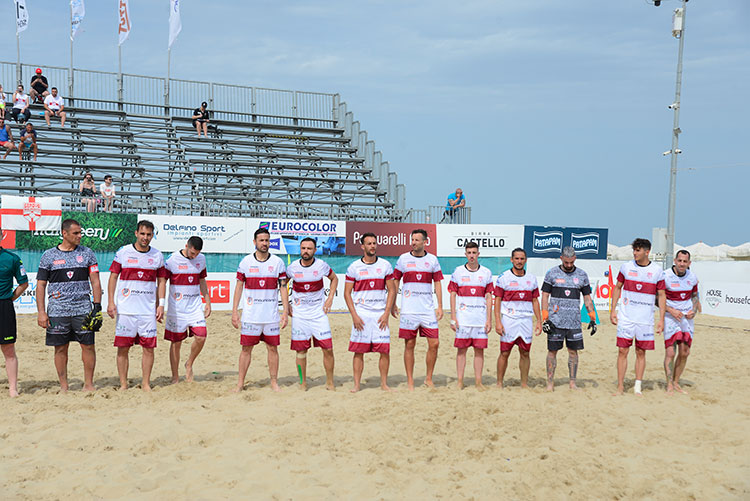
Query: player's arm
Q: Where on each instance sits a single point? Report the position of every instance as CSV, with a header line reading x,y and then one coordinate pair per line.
x,y
488,313
396,279
591,310
284,303
161,294
439,295
661,301
206,297
236,303
537,315
333,288
616,292
697,308
41,304
111,291
356,321
454,321
390,302
96,286
498,316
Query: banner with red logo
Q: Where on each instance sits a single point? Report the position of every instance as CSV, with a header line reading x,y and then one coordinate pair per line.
x,y
393,238
30,213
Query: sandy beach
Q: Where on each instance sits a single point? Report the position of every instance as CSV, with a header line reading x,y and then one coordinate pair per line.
x,y
199,441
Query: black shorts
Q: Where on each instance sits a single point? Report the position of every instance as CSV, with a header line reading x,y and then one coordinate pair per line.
x,y
7,322
63,330
573,339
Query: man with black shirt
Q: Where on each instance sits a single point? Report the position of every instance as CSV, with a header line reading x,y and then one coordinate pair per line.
x,y
561,291
64,275
201,119
39,87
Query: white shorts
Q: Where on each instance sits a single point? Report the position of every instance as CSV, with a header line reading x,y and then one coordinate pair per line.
x,y
252,334
371,338
515,328
306,329
470,336
678,330
135,329
411,323
642,333
178,327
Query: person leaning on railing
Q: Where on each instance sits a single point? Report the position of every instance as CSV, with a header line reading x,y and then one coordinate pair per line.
x,y
455,206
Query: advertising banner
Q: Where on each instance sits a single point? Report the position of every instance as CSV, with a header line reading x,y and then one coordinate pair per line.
x,y
494,240
286,235
725,299
393,238
548,241
220,235
100,232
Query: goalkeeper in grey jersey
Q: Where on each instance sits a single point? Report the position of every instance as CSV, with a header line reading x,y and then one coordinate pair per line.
x,y
561,292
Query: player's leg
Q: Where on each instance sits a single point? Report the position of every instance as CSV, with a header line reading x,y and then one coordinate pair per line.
x,y
502,364
328,363
573,367
383,364
147,364
524,363
11,367
622,367
433,343
358,365
122,365
302,364
640,368
551,367
174,360
245,357
679,366
198,342
409,345
273,366
460,366
88,357
61,365
478,367
669,365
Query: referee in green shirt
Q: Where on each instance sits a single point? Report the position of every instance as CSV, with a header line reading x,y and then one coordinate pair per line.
x,y
11,268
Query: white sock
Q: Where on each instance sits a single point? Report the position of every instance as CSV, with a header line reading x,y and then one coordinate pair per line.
x,y
637,387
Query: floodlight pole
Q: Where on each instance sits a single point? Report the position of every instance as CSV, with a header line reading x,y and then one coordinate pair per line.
x,y
669,258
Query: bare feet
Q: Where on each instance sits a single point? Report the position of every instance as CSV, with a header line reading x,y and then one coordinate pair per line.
x,y
63,389
238,388
385,387
88,388
355,389
620,391
275,386
499,384
13,392
146,388
573,386
679,389
123,388
550,386
480,387
175,380
303,386
524,386
460,385
188,373
330,386
428,383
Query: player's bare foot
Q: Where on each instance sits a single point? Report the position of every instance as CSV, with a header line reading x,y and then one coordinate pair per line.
x,y
499,384
13,393
574,387
480,387
146,388
238,388
64,389
385,387
175,380
188,373
303,386
275,386
122,388
89,388
330,387
410,386
429,384
355,389
524,386
619,392
460,385
679,389
550,386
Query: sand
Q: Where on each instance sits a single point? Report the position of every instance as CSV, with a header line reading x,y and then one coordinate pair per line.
x,y
199,441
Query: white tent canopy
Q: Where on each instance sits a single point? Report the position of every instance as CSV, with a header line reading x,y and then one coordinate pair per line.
x,y
698,252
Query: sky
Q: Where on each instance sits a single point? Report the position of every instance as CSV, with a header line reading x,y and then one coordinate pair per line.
x,y
544,112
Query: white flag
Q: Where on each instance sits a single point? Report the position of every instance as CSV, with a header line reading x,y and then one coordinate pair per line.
x,y
22,16
175,25
31,213
124,28
77,11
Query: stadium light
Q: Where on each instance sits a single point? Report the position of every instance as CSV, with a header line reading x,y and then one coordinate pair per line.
x,y
678,31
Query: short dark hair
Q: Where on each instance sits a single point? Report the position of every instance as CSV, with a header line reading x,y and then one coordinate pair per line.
x,y
420,231
53,88
308,239
107,177
67,223
368,234
683,251
195,242
517,249
471,245
145,223
261,231
641,243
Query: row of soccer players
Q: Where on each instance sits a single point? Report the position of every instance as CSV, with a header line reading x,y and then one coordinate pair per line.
x,y
137,299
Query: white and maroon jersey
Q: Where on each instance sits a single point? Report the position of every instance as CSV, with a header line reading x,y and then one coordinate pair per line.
x,y
471,288
418,273
308,293
261,279
517,294
680,289
136,287
184,283
638,299
369,291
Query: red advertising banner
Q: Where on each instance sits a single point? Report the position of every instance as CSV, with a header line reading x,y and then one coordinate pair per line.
x,y
393,238
9,239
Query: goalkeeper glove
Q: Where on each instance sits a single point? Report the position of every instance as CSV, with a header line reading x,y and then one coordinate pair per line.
x,y
93,320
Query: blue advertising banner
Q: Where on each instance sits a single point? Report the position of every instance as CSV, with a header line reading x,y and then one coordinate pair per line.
x,y
548,241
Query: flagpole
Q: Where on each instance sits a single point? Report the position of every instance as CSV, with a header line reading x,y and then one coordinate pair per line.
x,y
70,70
18,58
119,77
166,82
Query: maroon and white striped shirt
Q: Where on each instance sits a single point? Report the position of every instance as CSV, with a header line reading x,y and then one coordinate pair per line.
x,y
261,292
184,283
136,287
680,290
417,275
471,288
639,289
517,294
308,291
369,291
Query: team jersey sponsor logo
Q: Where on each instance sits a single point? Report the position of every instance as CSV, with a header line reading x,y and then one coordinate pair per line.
x,y
559,280
411,265
125,292
190,279
58,261
132,260
567,292
140,274
466,279
254,269
299,275
177,296
182,267
632,273
69,274
513,284
363,273
79,258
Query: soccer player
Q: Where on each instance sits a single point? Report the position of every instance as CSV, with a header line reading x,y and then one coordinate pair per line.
x,y
64,275
641,285
562,289
418,313
681,307
11,268
471,312
370,294
186,313
137,277
516,302
260,276
308,308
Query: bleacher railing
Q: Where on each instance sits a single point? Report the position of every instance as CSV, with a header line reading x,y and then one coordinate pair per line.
x,y
150,95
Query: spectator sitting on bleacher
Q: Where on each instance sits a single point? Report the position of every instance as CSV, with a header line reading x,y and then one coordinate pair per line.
x,y
39,87
201,119
3,98
54,106
87,189
6,138
107,190
20,105
28,139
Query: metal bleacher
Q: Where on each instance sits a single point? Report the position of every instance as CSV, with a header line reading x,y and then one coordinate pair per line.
x,y
252,164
